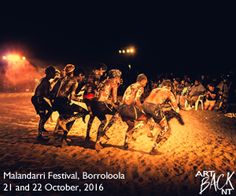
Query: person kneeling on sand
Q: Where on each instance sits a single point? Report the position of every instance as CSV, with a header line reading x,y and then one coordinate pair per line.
x,y
152,107
39,100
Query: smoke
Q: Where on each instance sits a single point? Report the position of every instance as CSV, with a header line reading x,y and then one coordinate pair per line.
x,y
19,75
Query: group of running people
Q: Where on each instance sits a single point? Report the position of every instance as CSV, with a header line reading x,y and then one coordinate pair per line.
x,y
59,91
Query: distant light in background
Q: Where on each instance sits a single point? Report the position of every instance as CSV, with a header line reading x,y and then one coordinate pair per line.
x,y
132,50
13,57
18,73
129,66
128,50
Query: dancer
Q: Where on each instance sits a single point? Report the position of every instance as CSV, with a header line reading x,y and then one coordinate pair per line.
x,y
39,100
152,106
65,93
90,93
131,108
106,103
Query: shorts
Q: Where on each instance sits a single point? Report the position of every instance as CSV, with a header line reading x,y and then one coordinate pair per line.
x,y
154,111
130,112
210,103
40,104
100,109
89,103
65,108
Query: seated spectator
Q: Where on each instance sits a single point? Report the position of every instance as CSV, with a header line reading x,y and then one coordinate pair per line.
x,y
196,90
182,92
175,85
211,97
178,90
223,87
186,88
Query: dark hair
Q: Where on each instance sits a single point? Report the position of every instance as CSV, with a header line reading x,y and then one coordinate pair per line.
x,y
141,77
78,71
211,84
177,79
114,73
166,83
50,70
101,66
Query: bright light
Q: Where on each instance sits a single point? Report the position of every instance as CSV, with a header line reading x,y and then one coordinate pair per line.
x,y
128,51
131,50
13,57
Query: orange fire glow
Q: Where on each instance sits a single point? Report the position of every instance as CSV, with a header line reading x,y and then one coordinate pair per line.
x,y
13,57
19,72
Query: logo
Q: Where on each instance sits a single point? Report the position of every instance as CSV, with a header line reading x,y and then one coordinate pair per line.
x,y
220,183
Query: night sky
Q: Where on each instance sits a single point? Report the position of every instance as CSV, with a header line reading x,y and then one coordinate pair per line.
x,y
172,37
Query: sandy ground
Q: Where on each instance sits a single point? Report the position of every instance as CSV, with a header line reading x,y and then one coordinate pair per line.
x,y
207,141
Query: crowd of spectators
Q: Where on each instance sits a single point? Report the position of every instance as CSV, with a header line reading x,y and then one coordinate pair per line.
x,y
206,93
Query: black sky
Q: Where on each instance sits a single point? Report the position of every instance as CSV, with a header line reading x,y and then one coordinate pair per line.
x,y
179,37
